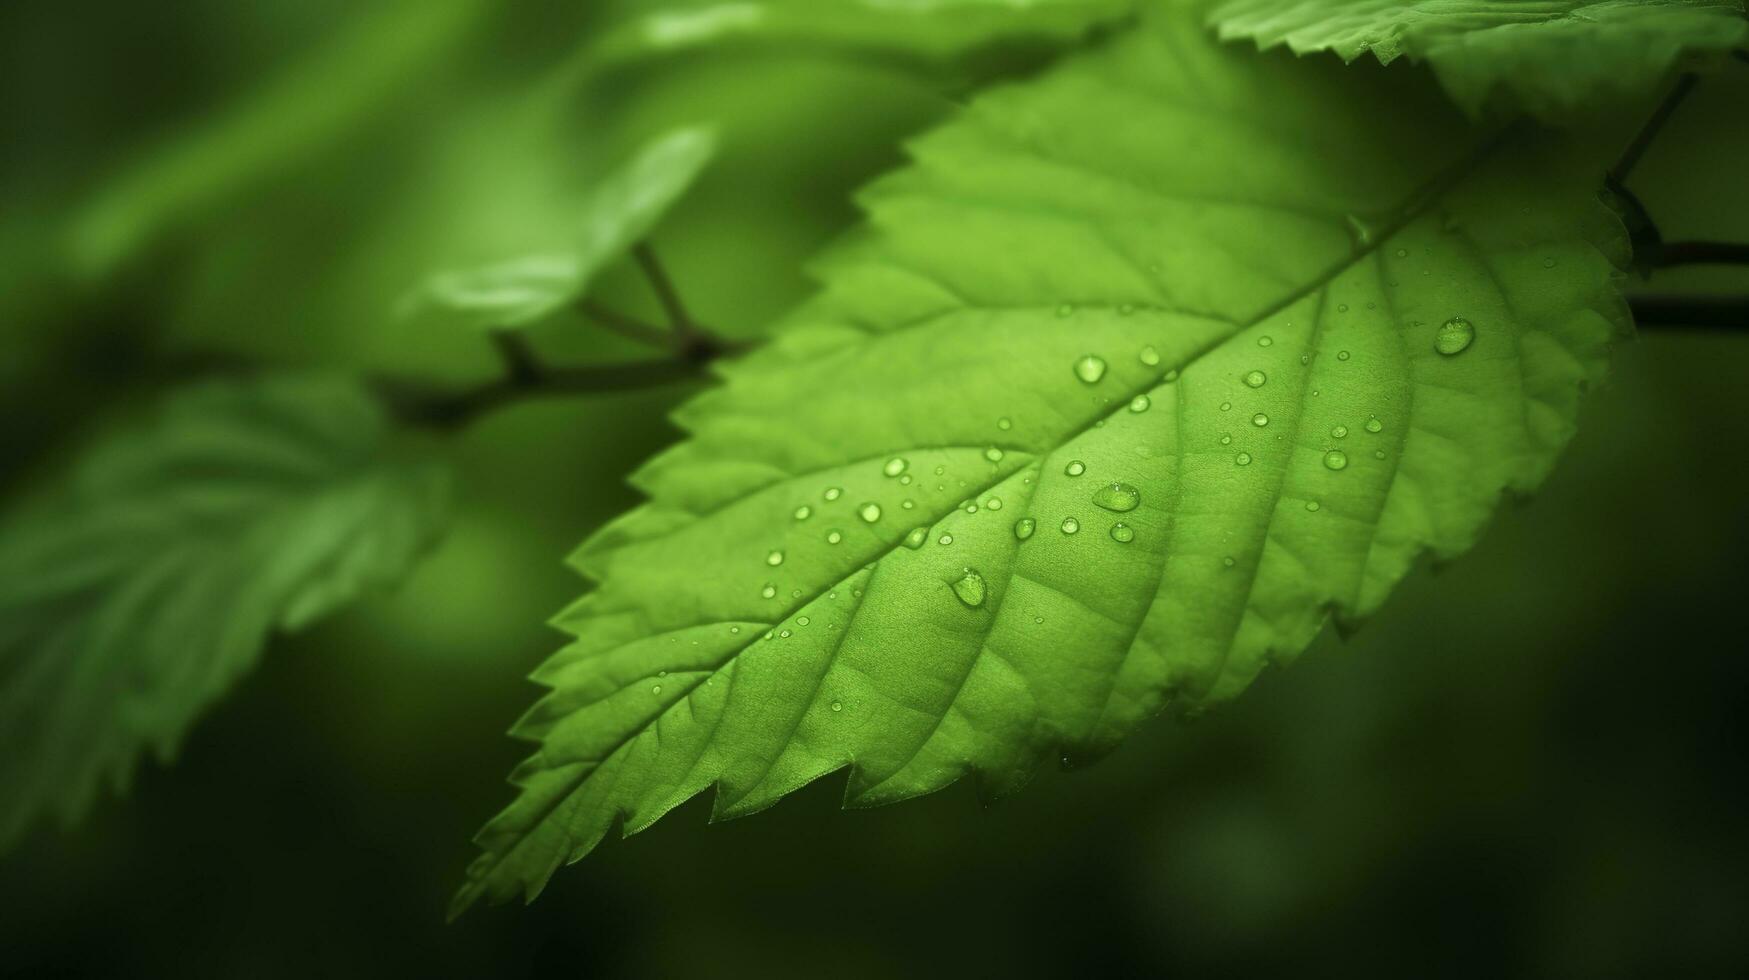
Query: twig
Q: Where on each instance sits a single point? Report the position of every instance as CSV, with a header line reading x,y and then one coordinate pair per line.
x,y
1630,157
629,327
425,406
1700,253
1698,312
663,287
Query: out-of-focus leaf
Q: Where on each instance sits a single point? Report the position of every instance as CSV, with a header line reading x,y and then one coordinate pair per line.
x,y
135,593
1550,57
934,33
316,102
622,211
1140,374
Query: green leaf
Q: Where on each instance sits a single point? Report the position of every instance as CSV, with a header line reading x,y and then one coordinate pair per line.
x,y
1129,386
1553,58
621,212
135,593
314,104
930,33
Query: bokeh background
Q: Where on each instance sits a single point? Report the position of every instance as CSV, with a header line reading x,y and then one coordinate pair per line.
x,y
1532,763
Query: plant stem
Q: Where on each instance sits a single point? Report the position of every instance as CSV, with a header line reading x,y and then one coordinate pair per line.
x,y
1699,312
629,327
424,406
1630,157
1701,253
664,289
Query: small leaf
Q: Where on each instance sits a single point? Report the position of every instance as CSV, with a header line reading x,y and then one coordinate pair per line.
x,y
134,594
621,212
929,33
1088,359
1553,58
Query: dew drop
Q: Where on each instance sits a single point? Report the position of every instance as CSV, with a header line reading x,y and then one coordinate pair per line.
x,y
869,512
838,706
1455,335
1402,253
895,466
1226,440
1335,459
734,629
970,588
1122,533
1373,424
803,620
769,592
834,536
833,493
1342,355
916,537
1228,561
1071,525
1171,376
907,503
1260,420
905,480
1342,307
1140,404
947,539
1243,459
1004,423
657,689
1313,505
994,503
1119,497
969,506
784,634
774,559
1378,454
993,454
1339,432
1075,468
1090,368
1149,356
803,512
1226,406
1024,527
1256,379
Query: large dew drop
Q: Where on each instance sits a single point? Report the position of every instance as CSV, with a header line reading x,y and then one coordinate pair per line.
x,y
1024,527
775,558
1256,379
1071,525
1075,468
916,538
970,588
869,512
1455,336
1336,459
1118,497
1122,533
1090,368
895,466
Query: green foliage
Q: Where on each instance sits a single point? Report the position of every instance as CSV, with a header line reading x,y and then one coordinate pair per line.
x,y
134,593
622,211
314,104
927,33
1141,373
1550,57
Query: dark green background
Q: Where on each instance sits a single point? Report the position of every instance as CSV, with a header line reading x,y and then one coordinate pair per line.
x,y
1530,764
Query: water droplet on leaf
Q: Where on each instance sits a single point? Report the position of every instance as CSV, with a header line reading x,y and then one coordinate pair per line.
x,y
1119,497
1335,459
1075,468
1140,404
895,466
774,559
1256,379
1149,356
1122,533
970,588
869,512
1455,336
1071,525
1024,527
1090,368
